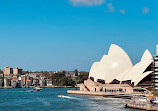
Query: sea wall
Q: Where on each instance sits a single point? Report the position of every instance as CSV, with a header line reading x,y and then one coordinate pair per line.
x,y
85,92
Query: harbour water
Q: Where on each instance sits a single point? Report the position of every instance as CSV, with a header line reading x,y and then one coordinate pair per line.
x,y
48,100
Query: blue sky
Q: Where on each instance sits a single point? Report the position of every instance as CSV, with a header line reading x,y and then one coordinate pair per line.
x,y
72,34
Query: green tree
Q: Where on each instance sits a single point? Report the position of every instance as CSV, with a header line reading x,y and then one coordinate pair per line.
x,y
25,72
70,82
59,79
63,81
46,74
80,78
76,72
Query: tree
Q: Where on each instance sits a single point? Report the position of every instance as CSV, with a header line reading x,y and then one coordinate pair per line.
x,y
59,79
63,81
46,74
25,72
1,71
70,82
76,72
80,78
63,72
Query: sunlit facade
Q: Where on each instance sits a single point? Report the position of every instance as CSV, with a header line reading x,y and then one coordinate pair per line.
x,y
116,67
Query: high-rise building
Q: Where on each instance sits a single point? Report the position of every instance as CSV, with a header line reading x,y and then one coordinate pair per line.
x,y
17,71
8,72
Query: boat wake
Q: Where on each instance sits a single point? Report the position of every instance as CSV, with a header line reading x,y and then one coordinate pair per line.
x,y
20,91
67,97
29,91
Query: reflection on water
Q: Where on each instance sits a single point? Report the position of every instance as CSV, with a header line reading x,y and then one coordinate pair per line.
x,y
48,100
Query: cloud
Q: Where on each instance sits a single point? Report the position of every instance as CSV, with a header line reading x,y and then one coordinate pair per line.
x,y
110,7
86,2
123,11
145,10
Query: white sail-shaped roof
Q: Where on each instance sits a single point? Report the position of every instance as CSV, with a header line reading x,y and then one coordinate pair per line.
x,y
138,71
94,70
117,65
118,62
112,64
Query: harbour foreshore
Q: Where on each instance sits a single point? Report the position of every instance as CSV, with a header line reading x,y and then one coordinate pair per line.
x,y
43,87
85,93
124,95
57,87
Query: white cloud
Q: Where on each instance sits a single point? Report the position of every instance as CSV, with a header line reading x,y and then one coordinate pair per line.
x,y
123,11
145,10
86,2
110,7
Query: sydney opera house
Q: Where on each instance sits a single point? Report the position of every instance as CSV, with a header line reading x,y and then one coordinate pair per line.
x,y
115,74
116,67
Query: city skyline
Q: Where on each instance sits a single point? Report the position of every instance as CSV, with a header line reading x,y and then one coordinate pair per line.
x,y
72,34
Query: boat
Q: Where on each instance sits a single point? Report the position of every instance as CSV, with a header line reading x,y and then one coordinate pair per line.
x,y
67,97
37,89
142,103
61,95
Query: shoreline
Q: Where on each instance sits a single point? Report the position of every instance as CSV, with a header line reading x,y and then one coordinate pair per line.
x,y
40,87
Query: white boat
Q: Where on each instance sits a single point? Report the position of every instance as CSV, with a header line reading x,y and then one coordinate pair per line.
x,y
61,95
68,97
37,89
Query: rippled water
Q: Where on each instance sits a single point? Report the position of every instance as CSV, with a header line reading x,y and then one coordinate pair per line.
x,y
48,100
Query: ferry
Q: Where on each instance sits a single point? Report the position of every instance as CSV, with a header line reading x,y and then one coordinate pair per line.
x,y
143,103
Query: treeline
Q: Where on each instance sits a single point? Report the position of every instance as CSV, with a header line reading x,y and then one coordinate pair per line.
x,y
60,78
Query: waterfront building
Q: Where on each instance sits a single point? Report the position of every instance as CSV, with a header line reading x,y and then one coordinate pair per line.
x,y
14,83
17,71
16,78
115,74
28,83
31,74
8,72
42,82
22,80
2,75
35,82
117,68
1,82
19,85
6,82
92,86
49,82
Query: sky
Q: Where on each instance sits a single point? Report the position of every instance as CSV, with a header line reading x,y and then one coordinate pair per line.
x,y
72,34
